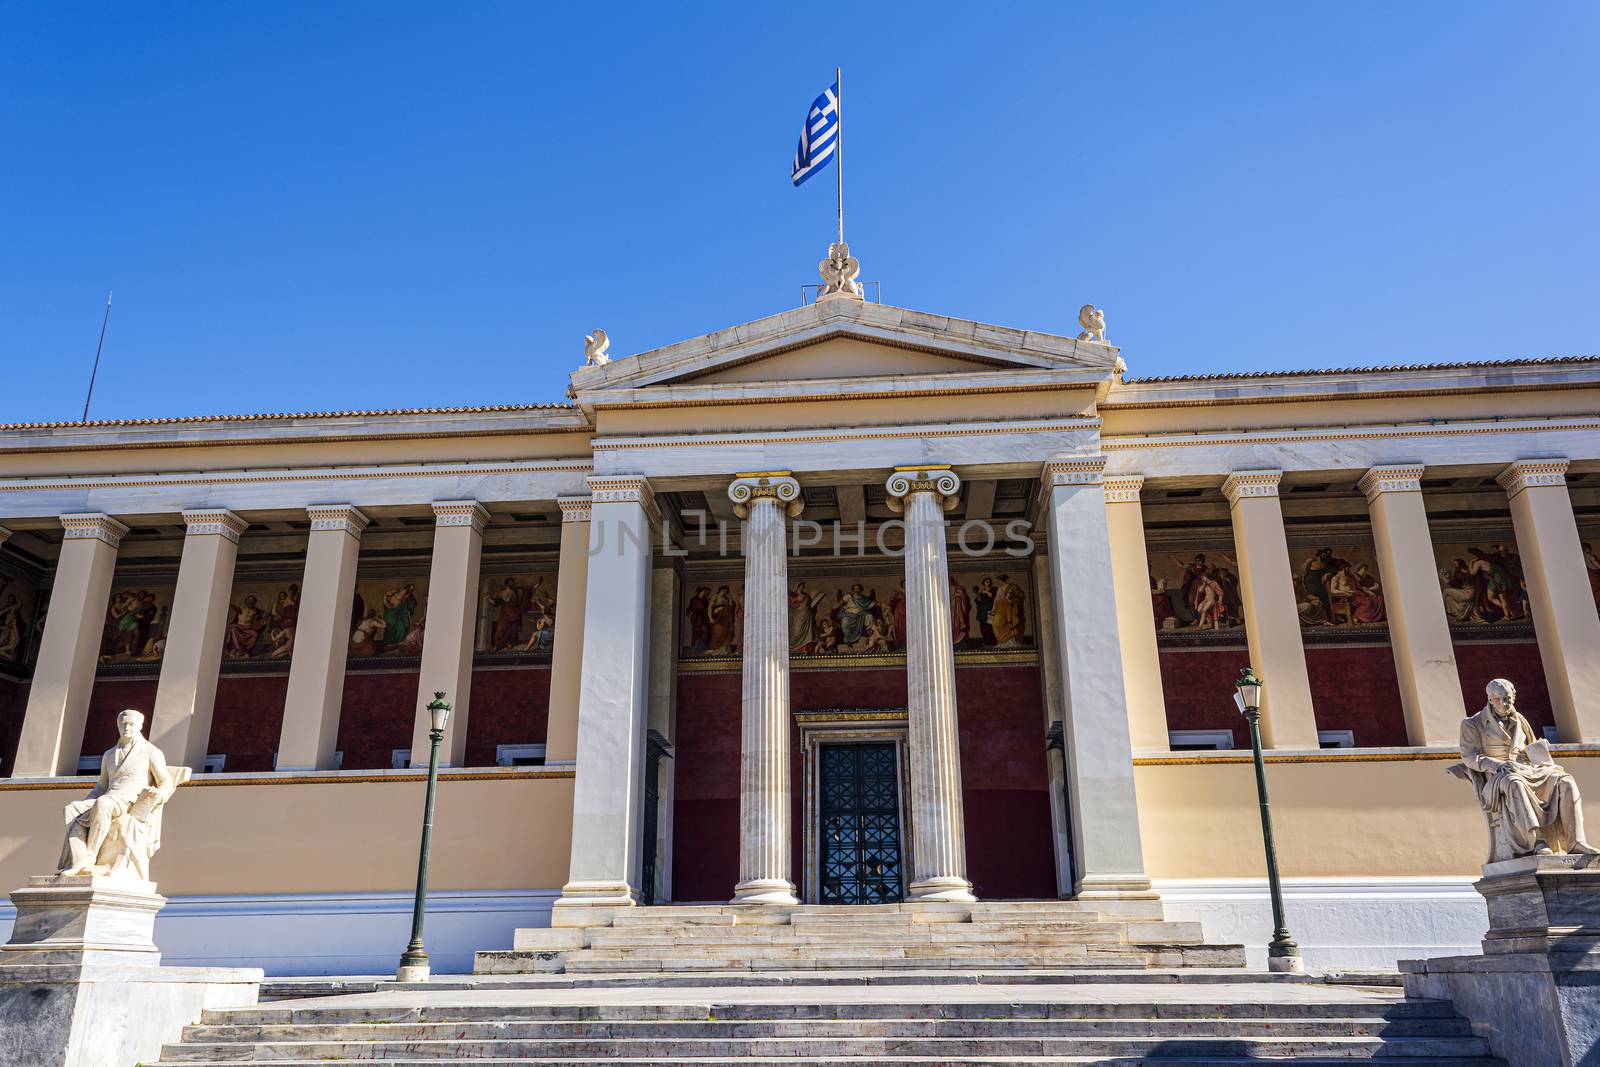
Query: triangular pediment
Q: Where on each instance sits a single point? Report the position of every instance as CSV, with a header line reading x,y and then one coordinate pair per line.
x,y
842,341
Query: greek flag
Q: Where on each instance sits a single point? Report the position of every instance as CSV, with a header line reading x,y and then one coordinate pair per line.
x,y
820,135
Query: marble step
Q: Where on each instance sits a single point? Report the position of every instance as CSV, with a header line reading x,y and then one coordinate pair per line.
x,y
1025,933
1199,956
1129,1026
291,1014
667,950
800,1048
904,1061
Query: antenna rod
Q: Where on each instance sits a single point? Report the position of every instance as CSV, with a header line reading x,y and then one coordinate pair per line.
x,y
97,348
838,152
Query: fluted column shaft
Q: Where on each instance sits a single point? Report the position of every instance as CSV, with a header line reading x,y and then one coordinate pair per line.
x,y
764,842
939,849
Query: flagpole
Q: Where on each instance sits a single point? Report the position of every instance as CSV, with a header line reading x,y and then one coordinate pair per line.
x,y
838,152
96,371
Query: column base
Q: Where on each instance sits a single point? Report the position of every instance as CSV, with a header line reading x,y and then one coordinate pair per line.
x,y
591,903
764,891
946,888
1120,896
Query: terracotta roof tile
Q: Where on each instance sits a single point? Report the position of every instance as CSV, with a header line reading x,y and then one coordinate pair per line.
x,y
282,416
1258,375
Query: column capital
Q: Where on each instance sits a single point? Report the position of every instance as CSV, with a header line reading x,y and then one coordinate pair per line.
x,y
1241,484
777,486
1533,474
460,513
1080,470
937,479
1395,478
95,525
345,517
574,508
1124,488
218,522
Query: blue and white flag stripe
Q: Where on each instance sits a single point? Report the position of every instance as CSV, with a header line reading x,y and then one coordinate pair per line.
x,y
820,135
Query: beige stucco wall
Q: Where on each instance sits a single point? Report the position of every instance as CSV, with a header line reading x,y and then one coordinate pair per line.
x,y
1123,416
1358,818
509,831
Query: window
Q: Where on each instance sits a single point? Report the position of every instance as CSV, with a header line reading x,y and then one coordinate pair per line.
x,y
214,762
1550,734
88,764
519,755
1336,738
1194,740
399,758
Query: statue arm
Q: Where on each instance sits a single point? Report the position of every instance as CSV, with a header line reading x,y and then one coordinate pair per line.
x,y
161,774
1472,754
103,784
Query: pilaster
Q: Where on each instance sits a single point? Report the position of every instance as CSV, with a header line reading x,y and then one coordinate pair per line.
x,y
1419,632
322,639
63,673
607,801
447,642
186,695
1564,616
1130,574
762,501
1095,731
1271,611
566,661
938,827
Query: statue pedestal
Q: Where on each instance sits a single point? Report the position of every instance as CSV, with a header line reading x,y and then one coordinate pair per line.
x,y
1535,992
81,981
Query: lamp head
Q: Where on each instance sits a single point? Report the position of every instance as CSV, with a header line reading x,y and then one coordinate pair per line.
x,y
1249,691
438,712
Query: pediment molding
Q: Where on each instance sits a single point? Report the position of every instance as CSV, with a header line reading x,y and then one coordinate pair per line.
x,y
973,348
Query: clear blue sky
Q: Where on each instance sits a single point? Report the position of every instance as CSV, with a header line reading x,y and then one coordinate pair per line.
x,y
363,205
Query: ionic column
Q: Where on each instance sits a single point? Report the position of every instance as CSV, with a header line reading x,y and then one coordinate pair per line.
x,y
566,659
762,501
938,830
1271,611
1105,810
321,639
452,622
181,723
608,793
63,674
1564,615
1130,574
1419,633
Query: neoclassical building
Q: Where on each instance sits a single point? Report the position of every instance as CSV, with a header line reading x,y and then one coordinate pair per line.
x,y
849,604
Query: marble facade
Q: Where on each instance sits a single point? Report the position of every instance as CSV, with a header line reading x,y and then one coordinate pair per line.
x,y
957,494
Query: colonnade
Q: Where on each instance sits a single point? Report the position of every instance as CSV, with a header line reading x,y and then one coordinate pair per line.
x,y
1559,591
64,669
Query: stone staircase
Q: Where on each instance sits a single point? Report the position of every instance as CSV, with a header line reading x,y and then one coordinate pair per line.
x,y
816,1027
1053,934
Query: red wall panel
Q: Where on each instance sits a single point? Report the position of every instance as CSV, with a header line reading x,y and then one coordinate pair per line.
x,y
1354,687
106,701
508,707
376,717
1198,686
1005,780
1480,661
248,720
13,703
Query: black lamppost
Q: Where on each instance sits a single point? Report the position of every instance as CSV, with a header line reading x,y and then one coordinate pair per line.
x,y
1282,953
414,962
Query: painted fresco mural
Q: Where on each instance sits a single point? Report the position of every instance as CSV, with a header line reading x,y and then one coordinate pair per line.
x,y
1195,590
1591,563
864,614
388,616
1482,582
517,613
1338,587
136,623
262,619
19,601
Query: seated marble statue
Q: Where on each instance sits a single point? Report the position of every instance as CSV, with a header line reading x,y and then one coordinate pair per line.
x,y
1532,805
117,828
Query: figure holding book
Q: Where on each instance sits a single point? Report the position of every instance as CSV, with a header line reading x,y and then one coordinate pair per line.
x,y
1532,804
